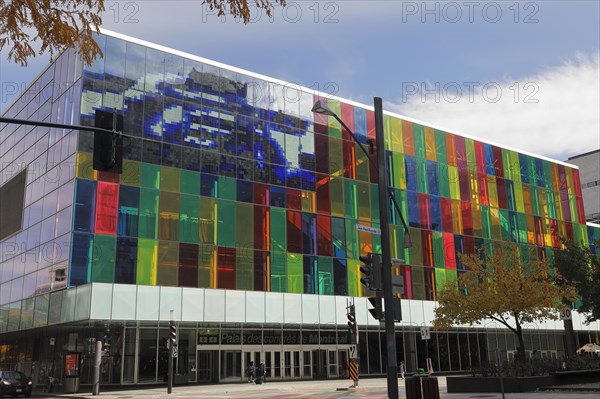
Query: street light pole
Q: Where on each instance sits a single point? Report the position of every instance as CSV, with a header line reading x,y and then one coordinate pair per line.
x,y
386,256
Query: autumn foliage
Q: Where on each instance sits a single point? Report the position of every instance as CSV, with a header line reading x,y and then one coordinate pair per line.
x,y
503,286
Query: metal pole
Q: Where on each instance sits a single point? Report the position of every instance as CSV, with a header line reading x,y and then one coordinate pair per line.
x,y
386,258
170,372
97,363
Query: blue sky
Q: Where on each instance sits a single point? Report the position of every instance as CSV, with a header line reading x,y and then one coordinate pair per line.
x,y
531,67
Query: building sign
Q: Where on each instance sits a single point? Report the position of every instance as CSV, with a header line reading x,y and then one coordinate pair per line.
x,y
368,229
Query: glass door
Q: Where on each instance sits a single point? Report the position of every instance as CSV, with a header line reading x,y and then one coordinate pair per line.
x,y
306,363
231,365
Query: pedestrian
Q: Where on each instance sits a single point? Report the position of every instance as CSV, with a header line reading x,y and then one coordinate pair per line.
x,y
261,374
402,369
250,372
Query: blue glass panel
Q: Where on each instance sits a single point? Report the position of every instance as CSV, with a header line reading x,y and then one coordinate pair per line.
x,y
309,233
510,194
340,277
126,261
360,124
245,191
310,267
153,116
432,178
459,248
129,203
172,118
338,237
514,232
192,122
85,206
435,213
489,159
81,259
524,168
278,196
209,185
410,164
309,180
414,219
277,174
539,172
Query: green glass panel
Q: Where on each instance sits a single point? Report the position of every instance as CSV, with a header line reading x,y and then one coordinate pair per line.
x,y
522,226
295,275
189,218
422,176
507,164
516,166
453,182
170,179
190,182
535,199
418,283
443,182
278,271
548,175
103,261
573,208
440,146
471,160
208,219
439,260
505,225
551,203
325,276
245,227
363,191
150,176
244,270
338,237
226,231
146,262
397,236
169,216
336,194
336,163
334,127
415,254
531,170
352,244
227,188
168,264
419,132
207,255
399,176
440,279
374,203
520,204
148,221
387,132
362,164
350,199
486,222
354,277
451,276
132,173
278,230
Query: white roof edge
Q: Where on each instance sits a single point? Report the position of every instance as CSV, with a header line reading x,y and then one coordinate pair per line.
x,y
593,224
326,95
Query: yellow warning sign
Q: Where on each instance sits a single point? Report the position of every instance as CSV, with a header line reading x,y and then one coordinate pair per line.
x,y
354,371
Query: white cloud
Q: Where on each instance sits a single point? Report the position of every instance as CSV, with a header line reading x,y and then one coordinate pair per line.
x,y
555,113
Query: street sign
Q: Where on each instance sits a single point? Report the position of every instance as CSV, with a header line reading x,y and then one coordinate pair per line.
x,y
425,333
175,351
52,340
566,314
353,374
368,229
353,352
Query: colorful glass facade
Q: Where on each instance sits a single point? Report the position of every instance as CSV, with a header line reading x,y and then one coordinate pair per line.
x,y
230,181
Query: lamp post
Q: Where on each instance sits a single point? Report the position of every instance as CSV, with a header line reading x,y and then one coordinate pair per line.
x,y
385,193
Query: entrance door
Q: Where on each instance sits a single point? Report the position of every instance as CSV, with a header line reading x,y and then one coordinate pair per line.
x,y
319,364
231,365
208,363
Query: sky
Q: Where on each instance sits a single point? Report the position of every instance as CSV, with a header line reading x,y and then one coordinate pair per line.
x,y
522,74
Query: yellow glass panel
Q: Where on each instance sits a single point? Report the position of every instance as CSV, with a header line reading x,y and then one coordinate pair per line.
x,y
85,166
457,224
170,179
496,229
430,149
516,166
530,229
208,220
519,198
492,190
474,186
309,201
476,216
453,182
558,205
570,186
543,202
396,132
527,200
131,173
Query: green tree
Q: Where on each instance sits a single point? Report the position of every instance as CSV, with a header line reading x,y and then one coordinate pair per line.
x,y
579,268
501,286
58,24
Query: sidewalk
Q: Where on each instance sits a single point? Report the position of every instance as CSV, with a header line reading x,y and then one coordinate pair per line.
x,y
368,388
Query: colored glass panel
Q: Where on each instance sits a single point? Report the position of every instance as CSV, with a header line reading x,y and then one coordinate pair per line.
x,y
147,262
167,273
129,199
150,176
169,216
107,200
244,270
226,230
85,206
207,266
189,218
226,259
188,265
126,260
208,222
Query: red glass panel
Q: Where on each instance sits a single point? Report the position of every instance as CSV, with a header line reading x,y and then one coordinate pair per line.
x,y
323,198
464,182
107,201
188,265
261,271
320,118
108,177
564,200
445,205
371,124
467,218
554,233
577,183
226,268
294,199
408,291
322,153
427,244
449,251
348,118
469,245
294,232
450,149
501,190
324,241
262,194
262,238
480,157
424,214
484,198
408,138
569,228
580,210
349,156
539,230
562,178
497,151
461,150
320,128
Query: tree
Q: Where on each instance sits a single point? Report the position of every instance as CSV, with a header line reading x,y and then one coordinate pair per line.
x,y
60,24
501,285
579,268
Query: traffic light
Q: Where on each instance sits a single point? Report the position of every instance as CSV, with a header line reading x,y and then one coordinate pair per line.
x,y
173,331
377,311
372,271
165,342
352,324
108,146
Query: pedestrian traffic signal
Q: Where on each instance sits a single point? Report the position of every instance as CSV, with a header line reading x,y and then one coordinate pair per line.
x,y
352,324
372,271
377,311
106,344
108,146
173,331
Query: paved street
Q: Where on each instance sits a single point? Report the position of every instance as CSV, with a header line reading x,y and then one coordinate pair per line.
x,y
368,388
